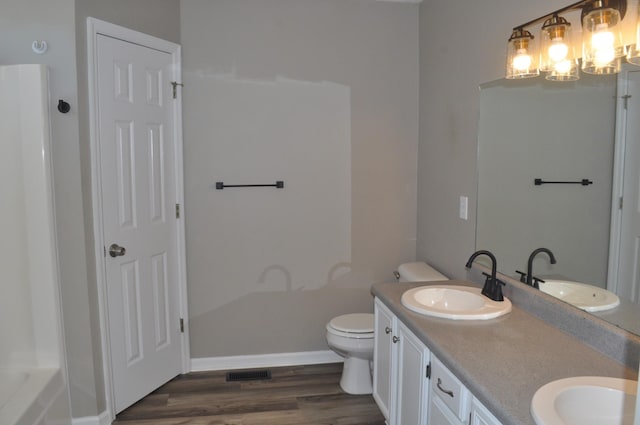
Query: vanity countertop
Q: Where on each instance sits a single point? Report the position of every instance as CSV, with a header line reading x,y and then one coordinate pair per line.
x,y
502,361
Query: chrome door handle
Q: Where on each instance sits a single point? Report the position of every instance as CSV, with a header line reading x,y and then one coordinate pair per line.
x,y
116,250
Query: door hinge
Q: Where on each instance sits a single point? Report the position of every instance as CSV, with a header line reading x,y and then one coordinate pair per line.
x,y
175,85
621,202
429,371
181,325
626,98
177,210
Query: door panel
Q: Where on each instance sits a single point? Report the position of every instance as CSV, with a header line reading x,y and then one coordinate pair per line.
x,y
137,153
384,361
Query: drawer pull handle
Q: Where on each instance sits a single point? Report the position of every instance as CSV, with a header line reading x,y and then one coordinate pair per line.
x,y
387,330
447,392
395,339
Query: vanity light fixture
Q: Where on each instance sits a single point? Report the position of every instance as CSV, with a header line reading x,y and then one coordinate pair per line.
x,y
602,47
522,61
602,43
557,57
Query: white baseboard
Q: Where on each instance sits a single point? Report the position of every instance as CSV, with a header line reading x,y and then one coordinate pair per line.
x,y
102,419
264,360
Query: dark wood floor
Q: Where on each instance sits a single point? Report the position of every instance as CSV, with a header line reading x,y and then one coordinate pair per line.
x,y
295,395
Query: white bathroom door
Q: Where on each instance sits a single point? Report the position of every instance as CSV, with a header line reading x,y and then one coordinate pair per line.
x,y
629,257
137,161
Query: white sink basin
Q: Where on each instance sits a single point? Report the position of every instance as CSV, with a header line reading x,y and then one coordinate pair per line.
x,y
585,400
586,297
454,302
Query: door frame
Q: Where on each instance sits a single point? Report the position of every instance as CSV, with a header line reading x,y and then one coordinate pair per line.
x,y
97,27
622,91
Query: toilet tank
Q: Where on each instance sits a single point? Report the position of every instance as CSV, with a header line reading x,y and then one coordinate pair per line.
x,y
418,272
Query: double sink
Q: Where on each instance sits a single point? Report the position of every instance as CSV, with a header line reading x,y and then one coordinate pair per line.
x,y
585,400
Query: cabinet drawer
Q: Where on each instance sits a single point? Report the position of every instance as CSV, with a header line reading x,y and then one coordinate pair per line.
x,y
450,390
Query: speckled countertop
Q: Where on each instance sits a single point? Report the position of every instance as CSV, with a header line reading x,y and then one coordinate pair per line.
x,y
502,361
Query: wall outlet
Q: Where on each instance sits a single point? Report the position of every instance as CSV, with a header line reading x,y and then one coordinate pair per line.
x,y
464,207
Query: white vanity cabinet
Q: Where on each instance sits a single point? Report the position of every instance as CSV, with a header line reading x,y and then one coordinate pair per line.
x,y
411,386
400,384
481,416
384,361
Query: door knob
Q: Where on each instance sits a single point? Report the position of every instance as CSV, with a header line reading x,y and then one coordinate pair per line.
x,y
116,250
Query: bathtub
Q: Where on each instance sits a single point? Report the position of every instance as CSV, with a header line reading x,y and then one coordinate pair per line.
x,y
33,383
27,396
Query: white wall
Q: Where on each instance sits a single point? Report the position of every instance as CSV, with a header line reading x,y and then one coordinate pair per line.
x,y
16,323
322,95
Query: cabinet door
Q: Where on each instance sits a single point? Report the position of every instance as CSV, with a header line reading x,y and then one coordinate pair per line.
x,y
384,364
481,416
413,386
450,390
440,414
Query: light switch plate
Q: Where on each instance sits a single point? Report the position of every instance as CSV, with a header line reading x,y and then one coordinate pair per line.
x,y
464,207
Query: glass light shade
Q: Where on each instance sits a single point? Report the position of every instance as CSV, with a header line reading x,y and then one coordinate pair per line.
x,y
566,70
556,47
522,56
602,45
633,55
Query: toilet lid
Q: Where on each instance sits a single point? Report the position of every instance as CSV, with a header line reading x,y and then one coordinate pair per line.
x,y
353,323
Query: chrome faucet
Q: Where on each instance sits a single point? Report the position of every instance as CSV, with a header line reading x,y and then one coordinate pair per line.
x,y
492,286
531,281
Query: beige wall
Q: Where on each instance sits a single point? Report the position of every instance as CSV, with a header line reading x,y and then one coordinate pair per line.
x,y
462,44
356,62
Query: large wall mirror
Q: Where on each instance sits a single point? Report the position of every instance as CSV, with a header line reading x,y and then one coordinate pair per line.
x,y
556,132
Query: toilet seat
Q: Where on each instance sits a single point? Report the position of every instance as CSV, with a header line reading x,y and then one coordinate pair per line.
x,y
355,325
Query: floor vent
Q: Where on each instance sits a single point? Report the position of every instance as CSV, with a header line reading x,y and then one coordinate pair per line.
x,y
249,375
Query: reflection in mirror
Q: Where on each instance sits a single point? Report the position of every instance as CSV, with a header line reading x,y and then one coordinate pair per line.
x,y
556,132
537,129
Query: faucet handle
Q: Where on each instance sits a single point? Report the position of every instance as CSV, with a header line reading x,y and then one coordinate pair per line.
x,y
536,282
523,276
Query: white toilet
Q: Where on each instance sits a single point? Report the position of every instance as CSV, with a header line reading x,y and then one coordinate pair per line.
x,y
351,335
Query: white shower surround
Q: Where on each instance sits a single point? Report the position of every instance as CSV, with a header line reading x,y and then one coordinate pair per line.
x,y
32,364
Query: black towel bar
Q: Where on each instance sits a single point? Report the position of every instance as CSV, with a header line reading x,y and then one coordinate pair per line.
x,y
583,182
278,185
